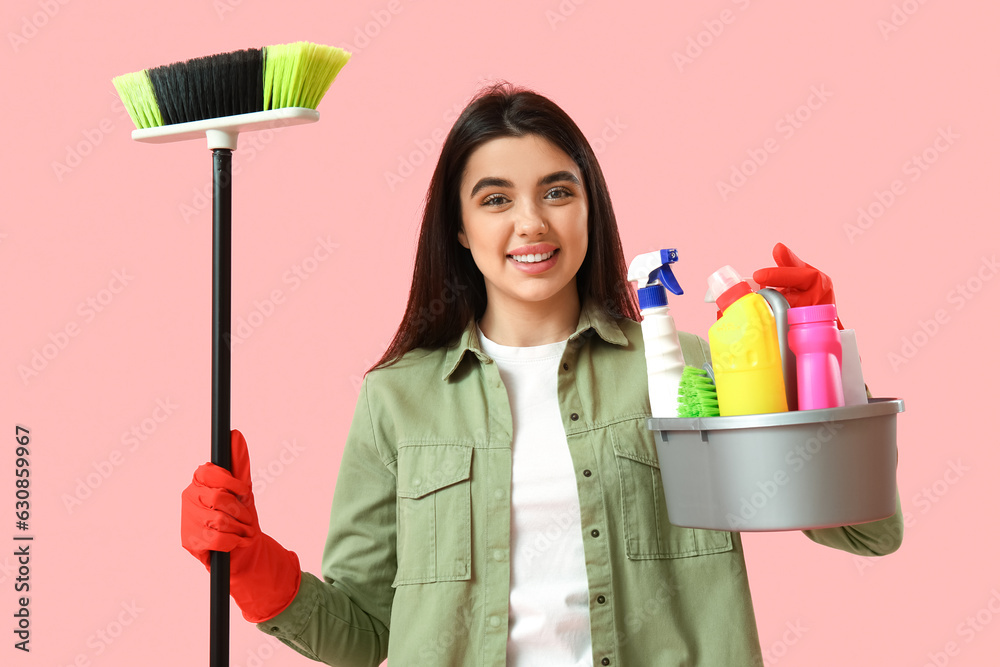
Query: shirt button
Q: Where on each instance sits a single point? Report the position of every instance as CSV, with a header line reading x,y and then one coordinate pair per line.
x,y
494,621
605,661
498,555
601,599
587,473
595,533
416,481
498,494
574,416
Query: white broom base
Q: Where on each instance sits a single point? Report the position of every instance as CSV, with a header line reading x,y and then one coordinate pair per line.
x,y
222,132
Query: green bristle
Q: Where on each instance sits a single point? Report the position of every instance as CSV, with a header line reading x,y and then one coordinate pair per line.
x,y
696,396
299,74
136,92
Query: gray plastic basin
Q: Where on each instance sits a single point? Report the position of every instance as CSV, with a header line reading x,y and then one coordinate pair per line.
x,y
781,471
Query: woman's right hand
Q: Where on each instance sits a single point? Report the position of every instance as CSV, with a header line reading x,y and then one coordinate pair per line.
x,y
218,514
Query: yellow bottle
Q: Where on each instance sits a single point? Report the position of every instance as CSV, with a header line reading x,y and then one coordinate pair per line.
x,y
745,353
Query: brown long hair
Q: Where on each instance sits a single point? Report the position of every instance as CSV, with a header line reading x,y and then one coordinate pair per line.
x,y
448,289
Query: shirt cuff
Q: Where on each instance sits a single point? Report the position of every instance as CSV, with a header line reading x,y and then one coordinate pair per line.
x,y
290,624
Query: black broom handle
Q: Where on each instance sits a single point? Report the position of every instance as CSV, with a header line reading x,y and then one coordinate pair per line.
x,y
222,256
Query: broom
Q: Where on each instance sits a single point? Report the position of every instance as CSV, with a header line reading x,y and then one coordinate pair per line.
x,y
217,97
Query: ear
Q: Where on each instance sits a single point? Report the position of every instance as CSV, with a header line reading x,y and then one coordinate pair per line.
x,y
462,238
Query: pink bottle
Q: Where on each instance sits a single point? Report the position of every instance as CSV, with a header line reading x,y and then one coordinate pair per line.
x,y
815,340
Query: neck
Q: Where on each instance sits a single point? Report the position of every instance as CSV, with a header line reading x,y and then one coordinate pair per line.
x,y
518,323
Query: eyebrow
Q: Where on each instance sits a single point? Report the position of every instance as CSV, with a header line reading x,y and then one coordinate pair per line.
x,y
495,182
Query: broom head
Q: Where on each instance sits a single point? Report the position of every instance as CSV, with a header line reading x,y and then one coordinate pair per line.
x,y
231,84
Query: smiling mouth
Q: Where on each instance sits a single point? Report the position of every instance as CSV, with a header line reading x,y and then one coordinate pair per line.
x,y
532,259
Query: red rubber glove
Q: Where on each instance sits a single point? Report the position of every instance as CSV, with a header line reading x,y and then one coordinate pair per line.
x,y
801,284
218,514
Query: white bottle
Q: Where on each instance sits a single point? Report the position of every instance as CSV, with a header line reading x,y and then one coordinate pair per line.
x,y
853,380
664,359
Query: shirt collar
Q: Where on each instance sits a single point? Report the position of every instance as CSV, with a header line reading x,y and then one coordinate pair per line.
x,y
591,318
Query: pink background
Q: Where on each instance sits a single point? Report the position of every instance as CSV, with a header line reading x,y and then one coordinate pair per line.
x,y
84,204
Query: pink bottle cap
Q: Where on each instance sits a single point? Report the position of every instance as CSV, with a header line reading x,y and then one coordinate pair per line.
x,y
826,312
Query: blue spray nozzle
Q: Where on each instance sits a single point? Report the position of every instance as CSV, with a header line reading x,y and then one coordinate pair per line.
x,y
664,275
654,268
651,271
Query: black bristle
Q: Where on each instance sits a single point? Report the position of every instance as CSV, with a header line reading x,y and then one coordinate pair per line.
x,y
211,87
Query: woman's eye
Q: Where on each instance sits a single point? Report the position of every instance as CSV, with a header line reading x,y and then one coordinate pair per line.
x,y
558,193
495,199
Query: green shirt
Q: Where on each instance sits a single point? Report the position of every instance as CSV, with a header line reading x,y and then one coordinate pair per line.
x,y
419,538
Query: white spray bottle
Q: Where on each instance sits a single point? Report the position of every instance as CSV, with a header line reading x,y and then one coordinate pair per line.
x,y
664,359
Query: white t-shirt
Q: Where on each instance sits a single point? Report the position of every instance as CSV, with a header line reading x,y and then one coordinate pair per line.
x,y
549,600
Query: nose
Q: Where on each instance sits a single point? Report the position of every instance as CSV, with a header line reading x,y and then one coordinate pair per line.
x,y
530,220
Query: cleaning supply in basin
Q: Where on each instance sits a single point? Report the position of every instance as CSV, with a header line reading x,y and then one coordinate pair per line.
x,y
851,376
779,308
746,356
814,338
696,395
664,359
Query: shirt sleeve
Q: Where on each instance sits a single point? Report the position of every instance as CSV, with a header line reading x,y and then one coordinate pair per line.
x,y
343,619
876,538
694,348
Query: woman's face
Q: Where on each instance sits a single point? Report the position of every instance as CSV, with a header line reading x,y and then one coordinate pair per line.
x,y
524,215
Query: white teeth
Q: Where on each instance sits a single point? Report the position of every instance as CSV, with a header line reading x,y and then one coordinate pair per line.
x,y
530,259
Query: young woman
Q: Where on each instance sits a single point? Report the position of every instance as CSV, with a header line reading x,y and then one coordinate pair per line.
x,y
498,501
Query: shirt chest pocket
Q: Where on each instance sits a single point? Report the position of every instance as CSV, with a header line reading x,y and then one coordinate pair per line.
x,y
433,513
647,528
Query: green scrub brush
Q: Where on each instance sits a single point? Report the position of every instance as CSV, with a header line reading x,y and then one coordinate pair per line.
x,y
217,97
696,395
